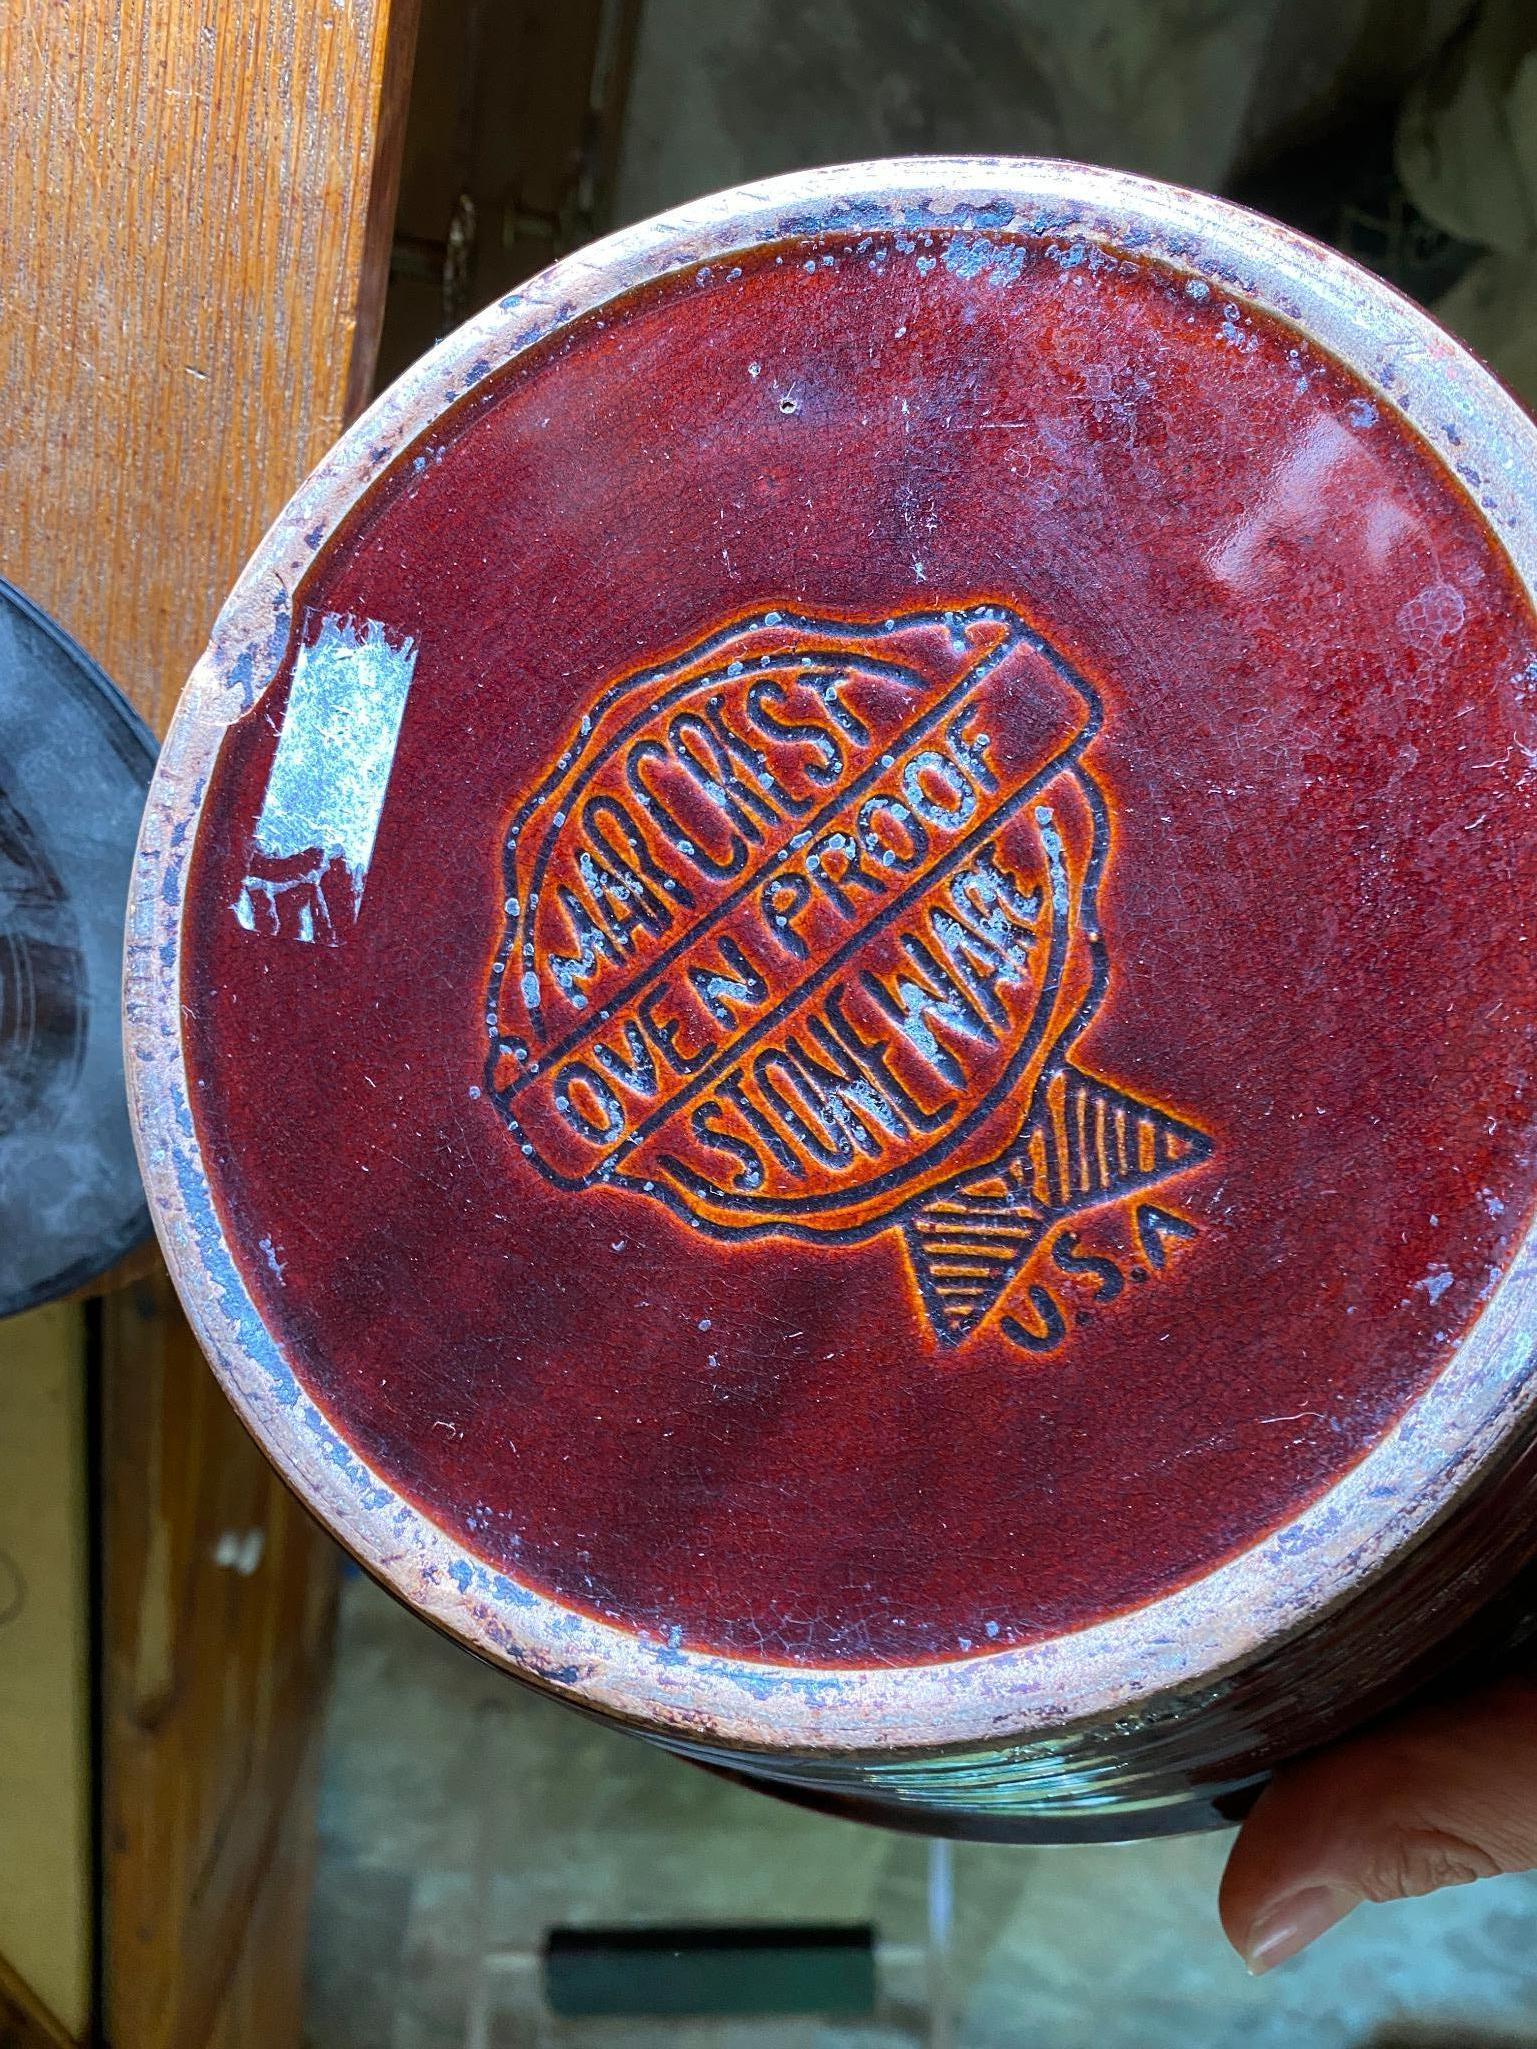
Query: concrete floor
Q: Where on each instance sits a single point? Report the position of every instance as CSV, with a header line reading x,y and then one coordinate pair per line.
x,y
1106,1948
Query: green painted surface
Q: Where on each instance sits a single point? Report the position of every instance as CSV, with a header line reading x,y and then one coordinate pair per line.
x,y
711,1972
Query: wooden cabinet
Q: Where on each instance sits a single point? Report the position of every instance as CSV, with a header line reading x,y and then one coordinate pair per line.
x,y
217,1597
195,221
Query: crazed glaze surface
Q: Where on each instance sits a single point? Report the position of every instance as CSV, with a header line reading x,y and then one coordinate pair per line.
x,y
1220,904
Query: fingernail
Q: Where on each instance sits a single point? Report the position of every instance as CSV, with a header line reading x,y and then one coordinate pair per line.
x,y
1291,1924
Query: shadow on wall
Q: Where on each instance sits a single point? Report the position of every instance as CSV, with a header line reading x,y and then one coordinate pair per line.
x,y
1192,90
1391,127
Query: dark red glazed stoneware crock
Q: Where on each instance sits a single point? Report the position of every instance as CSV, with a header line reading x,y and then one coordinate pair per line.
x,y
830,995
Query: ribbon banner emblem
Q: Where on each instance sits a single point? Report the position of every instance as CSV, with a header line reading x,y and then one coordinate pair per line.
x,y
800,931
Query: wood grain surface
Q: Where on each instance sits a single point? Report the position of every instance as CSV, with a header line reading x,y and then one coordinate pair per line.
x,y
218,1607
193,233
195,216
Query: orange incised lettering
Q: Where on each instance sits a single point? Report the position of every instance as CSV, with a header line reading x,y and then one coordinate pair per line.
x,y
794,947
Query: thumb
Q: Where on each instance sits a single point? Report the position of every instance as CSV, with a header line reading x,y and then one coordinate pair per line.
x,y
1436,1797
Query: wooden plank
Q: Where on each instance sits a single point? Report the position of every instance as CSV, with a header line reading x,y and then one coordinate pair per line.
x,y
379,223
190,283
218,1607
194,224
256,2010
45,1705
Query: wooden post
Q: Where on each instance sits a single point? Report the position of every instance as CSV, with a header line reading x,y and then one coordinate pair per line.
x,y
194,232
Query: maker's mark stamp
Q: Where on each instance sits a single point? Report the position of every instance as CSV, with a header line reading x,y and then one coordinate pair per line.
x,y
800,932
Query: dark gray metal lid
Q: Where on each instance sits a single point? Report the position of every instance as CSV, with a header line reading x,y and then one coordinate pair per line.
x,y
75,762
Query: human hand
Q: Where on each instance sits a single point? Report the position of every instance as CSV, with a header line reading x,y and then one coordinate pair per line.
x,y
1438,1796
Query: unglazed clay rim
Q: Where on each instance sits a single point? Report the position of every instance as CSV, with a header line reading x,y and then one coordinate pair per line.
x,y
1438,1450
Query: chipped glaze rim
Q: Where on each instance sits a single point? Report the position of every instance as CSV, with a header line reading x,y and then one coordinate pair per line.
x,y
1139,1663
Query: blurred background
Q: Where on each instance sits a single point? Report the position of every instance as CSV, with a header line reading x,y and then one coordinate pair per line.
x,y
1404,131
244,1798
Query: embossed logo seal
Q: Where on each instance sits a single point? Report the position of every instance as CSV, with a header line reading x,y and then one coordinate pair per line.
x,y
800,932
